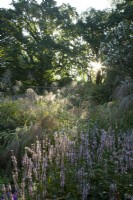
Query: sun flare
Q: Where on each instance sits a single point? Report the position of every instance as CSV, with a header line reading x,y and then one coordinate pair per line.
x,y
96,66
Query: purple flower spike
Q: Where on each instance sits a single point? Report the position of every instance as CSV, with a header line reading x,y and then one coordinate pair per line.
x,y
14,197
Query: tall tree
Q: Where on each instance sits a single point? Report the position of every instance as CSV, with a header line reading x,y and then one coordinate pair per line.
x,y
92,26
43,34
10,46
117,49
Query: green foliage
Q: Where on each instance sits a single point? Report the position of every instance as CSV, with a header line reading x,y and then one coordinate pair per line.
x,y
37,48
101,93
92,26
12,115
102,116
109,115
29,117
116,49
125,120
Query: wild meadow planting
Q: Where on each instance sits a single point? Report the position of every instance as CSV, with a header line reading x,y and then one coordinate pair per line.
x,y
61,147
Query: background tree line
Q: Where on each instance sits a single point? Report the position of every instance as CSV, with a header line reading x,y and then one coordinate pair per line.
x,y
40,42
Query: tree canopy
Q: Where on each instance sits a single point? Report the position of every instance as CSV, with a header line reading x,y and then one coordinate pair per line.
x,y
41,41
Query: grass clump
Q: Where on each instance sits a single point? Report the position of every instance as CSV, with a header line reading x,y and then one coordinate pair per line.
x,y
26,118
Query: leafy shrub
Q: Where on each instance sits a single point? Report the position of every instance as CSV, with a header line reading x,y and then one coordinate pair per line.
x,y
13,114
113,114
101,94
